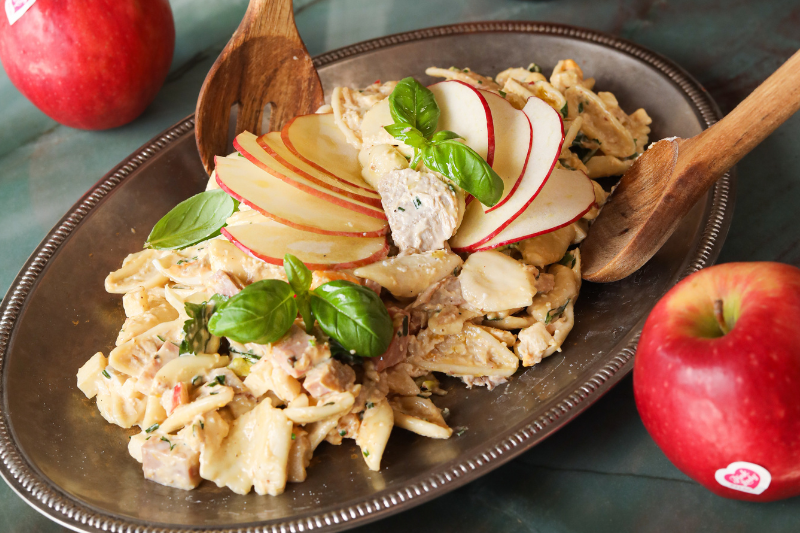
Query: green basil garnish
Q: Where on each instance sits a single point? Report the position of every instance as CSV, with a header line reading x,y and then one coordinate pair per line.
x,y
262,313
191,221
299,277
466,168
444,135
554,314
407,134
195,329
568,260
353,315
413,104
564,110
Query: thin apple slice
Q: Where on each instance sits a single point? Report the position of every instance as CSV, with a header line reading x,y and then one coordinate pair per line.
x,y
276,199
270,241
464,110
513,140
479,227
247,145
565,198
317,140
273,145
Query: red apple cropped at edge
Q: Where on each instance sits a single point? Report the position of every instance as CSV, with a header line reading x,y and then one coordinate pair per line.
x,y
89,64
717,379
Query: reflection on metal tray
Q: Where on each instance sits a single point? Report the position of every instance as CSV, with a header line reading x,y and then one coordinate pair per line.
x,y
67,462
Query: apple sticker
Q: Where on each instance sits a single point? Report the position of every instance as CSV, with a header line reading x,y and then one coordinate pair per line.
x,y
16,8
744,477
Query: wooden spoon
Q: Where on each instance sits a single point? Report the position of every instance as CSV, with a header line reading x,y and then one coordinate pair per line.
x,y
671,176
264,62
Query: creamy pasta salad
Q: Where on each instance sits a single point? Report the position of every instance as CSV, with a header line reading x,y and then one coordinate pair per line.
x,y
334,271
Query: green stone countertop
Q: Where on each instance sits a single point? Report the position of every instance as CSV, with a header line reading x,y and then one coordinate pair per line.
x,y
600,473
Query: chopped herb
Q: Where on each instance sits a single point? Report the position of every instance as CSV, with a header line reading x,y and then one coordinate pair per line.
x,y
553,314
370,405
327,404
342,433
213,393
461,431
465,70
249,356
159,337
479,81
195,329
564,110
195,380
165,439
565,165
148,438
417,202
212,383
568,260
502,93
339,352
452,189
221,379
580,138
401,209
405,326
366,453
151,428
175,343
580,108
105,374
240,155
293,436
182,261
312,342
533,67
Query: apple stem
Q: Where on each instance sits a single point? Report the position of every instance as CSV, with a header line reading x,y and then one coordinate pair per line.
x,y
720,316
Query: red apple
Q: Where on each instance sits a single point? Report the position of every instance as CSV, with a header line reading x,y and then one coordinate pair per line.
x,y
717,379
90,64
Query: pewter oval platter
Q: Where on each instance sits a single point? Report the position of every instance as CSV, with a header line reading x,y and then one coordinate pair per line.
x,y
68,463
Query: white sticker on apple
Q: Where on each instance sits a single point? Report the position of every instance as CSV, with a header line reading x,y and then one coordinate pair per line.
x,y
744,477
16,8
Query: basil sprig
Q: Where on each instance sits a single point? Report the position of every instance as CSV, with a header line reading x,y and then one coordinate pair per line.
x,y
193,220
300,280
416,115
354,315
263,312
195,329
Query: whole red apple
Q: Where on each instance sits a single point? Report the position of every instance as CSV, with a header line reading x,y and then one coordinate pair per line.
x,y
90,64
717,379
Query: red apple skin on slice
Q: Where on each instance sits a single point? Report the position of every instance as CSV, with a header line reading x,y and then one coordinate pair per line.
x,y
273,145
270,241
318,141
464,110
479,227
565,198
513,140
289,205
247,144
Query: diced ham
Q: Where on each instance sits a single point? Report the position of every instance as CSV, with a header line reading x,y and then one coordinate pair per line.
x,y
297,352
223,283
170,462
330,376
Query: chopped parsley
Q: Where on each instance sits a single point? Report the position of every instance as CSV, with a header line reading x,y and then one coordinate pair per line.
x,y
568,260
502,93
417,202
533,67
461,431
564,110
202,425
195,380
580,107
159,337
553,314
151,428
327,404
221,379
106,374
366,453
370,405
401,209
213,393
165,439
342,433
182,261
293,436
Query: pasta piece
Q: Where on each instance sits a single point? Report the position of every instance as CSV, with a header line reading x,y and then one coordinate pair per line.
x,y
565,291
154,413
142,322
140,300
186,369
373,433
225,256
254,454
420,416
328,406
572,132
135,445
184,414
599,123
548,248
493,281
349,107
568,74
600,198
264,377
317,431
473,352
521,75
379,160
602,166
91,373
189,266
133,356
137,271
299,455
465,75
537,342
406,276
118,400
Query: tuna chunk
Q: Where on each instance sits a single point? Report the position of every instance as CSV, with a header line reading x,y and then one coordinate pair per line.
x,y
298,352
330,376
170,462
398,348
423,210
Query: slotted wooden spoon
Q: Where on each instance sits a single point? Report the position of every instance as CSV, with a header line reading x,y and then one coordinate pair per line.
x,y
264,62
670,177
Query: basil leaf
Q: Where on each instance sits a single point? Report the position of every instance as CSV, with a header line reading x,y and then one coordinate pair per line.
x,y
413,104
338,352
568,260
564,110
297,273
466,168
303,302
554,314
445,135
262,313
407,134
191,221
353,315
195,329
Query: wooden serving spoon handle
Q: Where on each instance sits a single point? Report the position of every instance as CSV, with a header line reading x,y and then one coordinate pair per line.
x,y
672,175
264,62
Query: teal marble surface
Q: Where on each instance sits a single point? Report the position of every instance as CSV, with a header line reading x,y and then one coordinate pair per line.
x,y
600,473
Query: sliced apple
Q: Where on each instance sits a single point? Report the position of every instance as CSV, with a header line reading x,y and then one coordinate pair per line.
x,y
276,199
566,197
273,145
513,140
479,227
464,110
268,240
247,144
318,141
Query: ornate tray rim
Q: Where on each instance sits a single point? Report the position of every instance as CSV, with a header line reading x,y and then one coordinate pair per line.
x,y
49,500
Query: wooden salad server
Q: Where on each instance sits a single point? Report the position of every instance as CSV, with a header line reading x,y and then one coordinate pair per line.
x,y
665,182
264,62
